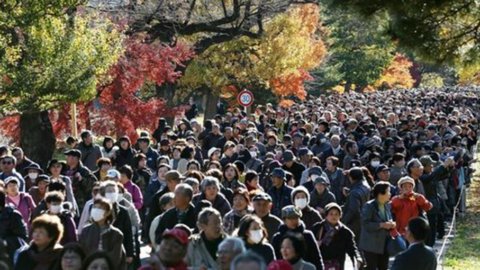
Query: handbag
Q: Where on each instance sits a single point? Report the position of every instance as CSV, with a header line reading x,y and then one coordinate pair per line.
x,y
395,244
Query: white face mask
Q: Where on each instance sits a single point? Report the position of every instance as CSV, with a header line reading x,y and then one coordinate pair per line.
x,y
253,154
33,175
256,236
97,214
301,203
375,163
111,196
55,208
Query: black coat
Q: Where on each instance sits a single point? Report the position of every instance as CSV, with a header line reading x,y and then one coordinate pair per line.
x,y
171,218
124,224
12,229
271,223
416,257
312,253
265,251
356,199
297,170
343,243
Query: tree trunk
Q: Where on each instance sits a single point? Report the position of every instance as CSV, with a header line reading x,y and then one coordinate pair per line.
x,y
211,104
36,137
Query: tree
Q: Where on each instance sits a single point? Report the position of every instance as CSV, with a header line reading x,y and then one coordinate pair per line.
x,y
431,80
50,55
396,75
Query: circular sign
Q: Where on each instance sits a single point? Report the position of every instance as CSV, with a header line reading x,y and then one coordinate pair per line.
x,y
245,98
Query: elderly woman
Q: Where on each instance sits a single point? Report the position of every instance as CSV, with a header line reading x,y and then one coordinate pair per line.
x,y
301,199
21,201
255,236
210,191
228,249
241,207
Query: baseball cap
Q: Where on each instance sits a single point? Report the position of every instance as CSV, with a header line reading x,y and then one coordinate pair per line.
x,y
178,234
291,211
380,168
73,152
427,160
262,197
11,179
278,172
321,180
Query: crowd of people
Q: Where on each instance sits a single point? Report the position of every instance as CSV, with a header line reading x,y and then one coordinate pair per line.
x,y
363,176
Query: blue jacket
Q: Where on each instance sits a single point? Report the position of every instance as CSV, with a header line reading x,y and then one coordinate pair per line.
x,y
280,198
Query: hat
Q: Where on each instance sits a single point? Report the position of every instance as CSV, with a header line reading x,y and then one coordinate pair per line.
x,y
164,142
298,135
291,211
427,160
380,168
212,150
11,179
112,173
278,172
304,151
191,138
173,175
143,139
288,156
73,152
331,206
280,265
406,179
300,189
33,166
42,177
262,197
321,180
179,235
315,170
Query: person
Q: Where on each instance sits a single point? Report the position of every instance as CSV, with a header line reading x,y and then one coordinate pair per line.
x,y
151,154
156,183
254,235
85,216
358,195
125,153
210,187
183,212
231,176
301,199
99,260
279,192
104,165
13,230
90,152
54,201
292,223
408,204
8,169
101,235
55,168
203,247
21,201
262,203
248,260
72,257
228,249
39,190
418,256
240,208
82,178
376,225
22,161
335,239
126,174
31,173
166,203
397,169
44,249
109,148
321,195
141,173
293,250
291,165
252,182
171,251
336,177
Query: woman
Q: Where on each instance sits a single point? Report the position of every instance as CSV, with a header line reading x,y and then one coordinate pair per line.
x,y
72,257
141,172
109,148
55,167
99,260
39,189
44,250
187,155
231,176
125,154
335,239
376,221
292,249
156,184
336,177
241,207
176,156
54,201
101,235
254,234
251,181
210,187
21,201
103,164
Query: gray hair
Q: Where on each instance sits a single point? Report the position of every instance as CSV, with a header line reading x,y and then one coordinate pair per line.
x,y
205,213
234,245
210,181
412,163
185,189
246,257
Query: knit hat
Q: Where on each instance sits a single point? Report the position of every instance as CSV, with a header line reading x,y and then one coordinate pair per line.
x,y
406,179
297,190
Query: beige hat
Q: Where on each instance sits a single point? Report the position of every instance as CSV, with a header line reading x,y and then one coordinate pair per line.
x,y
406,179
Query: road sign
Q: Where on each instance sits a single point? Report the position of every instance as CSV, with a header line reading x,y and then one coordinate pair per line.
x,y
245,98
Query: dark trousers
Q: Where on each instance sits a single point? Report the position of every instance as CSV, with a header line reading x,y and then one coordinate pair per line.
x,y
432,220
376,261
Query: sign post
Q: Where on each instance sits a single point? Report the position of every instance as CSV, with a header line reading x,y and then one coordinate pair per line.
x,y
245,99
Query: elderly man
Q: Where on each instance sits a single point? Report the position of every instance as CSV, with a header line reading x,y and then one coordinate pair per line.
x,y
183,212
8,169
171,252
91,152
262,203
248,260
228,249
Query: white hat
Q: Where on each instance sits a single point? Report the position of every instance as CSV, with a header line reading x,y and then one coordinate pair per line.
x,y
212,150
406,179
112,173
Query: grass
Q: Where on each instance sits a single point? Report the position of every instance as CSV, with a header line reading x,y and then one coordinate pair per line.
x,y
463,253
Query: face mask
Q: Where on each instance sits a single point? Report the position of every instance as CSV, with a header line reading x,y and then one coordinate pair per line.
x,y
375,163
111,196
33,175
301,203
97,214
256,236
253,154
55,209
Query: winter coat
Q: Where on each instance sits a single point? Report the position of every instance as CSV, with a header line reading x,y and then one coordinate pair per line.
x,y
310,216
25,206
303,265
356,199
12,229
124,157
337,183
198,255
82,187
271,223
280,198
220,203
32,259
408,207
90,155
171,218
297,170
265,250
373,238
321,200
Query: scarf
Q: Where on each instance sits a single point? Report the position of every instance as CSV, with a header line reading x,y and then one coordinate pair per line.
x,y
328,233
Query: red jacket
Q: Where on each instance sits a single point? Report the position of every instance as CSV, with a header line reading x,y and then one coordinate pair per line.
x,y
408,207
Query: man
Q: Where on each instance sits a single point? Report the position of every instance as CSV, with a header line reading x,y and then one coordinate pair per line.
x,y
279,192
291,216
334,150
22,161
82,178
262,203
351,148
321,195
228,249
171,251
248,260
151,154
8,169
293,166
183,212
418,256
382,173
90,152
211,139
